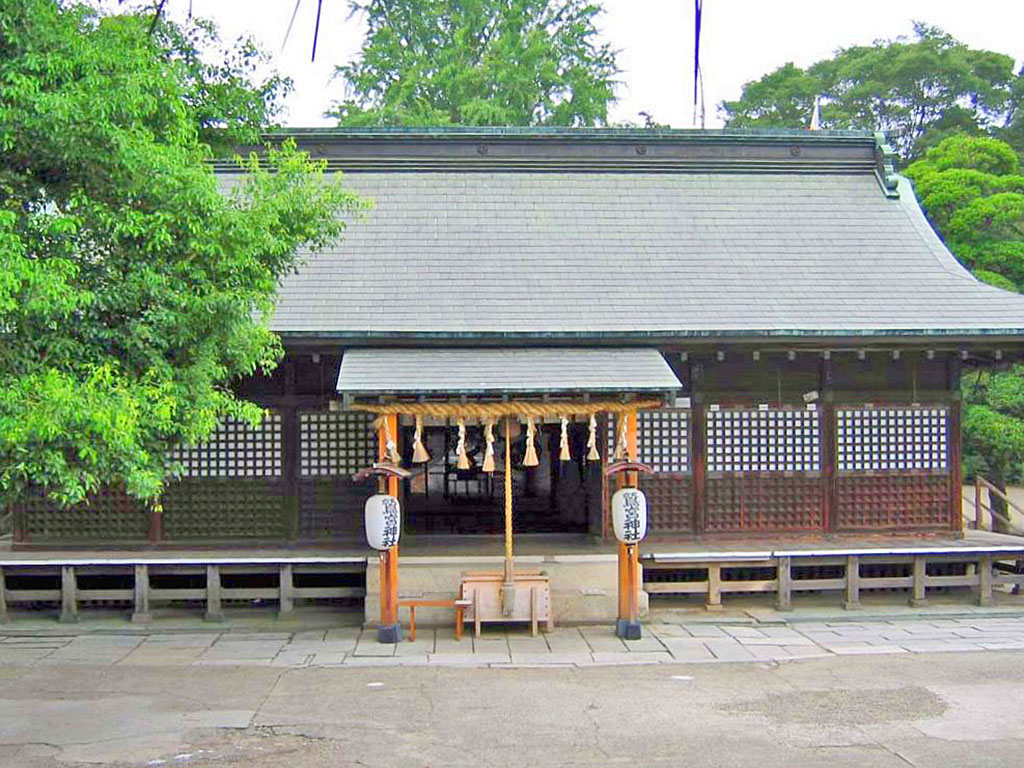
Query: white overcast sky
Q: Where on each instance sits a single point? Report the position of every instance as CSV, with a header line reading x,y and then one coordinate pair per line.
x,y
740,41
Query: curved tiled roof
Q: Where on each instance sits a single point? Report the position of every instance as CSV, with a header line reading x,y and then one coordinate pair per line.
x,y
753,249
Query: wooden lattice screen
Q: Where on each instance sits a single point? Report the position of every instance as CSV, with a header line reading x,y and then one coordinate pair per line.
x,y
334,443
663,439
109,515
764,469
663,443
881,439
779,440
332,446
232,485
236,449
893,467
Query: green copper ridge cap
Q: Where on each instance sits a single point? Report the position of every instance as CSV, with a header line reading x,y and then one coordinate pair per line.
x,y
455,133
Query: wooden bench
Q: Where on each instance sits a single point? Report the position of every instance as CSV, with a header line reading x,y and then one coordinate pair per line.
x,y
456,603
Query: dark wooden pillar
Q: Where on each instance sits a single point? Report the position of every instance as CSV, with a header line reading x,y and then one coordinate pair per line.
x,y
608,427
156,523
19,524
829,450
290,459
954,439
699,465
698,446
956,467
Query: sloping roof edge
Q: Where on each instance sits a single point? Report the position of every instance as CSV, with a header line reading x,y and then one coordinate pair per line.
x,y
521,370
738,336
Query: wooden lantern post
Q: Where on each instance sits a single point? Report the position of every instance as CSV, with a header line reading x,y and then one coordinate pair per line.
x,y
389,630
628,624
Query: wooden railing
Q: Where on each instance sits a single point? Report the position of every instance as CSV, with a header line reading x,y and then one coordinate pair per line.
x,y
981,509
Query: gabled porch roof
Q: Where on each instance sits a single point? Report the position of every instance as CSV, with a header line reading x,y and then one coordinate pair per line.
x,y
521,371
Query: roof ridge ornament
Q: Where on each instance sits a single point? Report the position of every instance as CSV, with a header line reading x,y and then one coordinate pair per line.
x,y
887,172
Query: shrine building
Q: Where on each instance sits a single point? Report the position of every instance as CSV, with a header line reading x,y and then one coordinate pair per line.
x,y
765,321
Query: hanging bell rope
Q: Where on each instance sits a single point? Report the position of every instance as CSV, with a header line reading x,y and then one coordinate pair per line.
x,y
390,447
489,451
530,459
419,453
460,450
592,452
511,408
563,442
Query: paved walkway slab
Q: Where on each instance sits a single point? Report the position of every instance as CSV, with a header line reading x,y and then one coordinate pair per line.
x,y
682,642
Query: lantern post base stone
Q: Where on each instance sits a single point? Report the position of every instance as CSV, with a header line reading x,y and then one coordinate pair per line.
x,y
628,630
389,633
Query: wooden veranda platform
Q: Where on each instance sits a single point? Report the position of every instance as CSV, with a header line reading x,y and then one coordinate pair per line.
x,y
142,577
710,566
848,563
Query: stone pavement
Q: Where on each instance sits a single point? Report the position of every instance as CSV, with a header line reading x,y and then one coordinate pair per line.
x,y
682,642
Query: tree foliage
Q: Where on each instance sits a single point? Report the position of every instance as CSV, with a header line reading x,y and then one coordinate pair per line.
x,y
919,91
133,289
478,62
973,193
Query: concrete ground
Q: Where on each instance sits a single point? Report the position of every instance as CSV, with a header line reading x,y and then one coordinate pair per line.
x,y
952,709
942,687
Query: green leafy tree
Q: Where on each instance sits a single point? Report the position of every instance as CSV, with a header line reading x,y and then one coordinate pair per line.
x,y
133,289
972,190
973,193
478,62
919,91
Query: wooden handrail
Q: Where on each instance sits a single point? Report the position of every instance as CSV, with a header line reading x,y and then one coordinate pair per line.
x,y
979,483
982,481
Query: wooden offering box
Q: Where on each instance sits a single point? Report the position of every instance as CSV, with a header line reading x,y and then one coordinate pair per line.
x,y
483,592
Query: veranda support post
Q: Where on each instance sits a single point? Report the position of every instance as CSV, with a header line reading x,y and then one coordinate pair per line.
x,y
3,597
141,613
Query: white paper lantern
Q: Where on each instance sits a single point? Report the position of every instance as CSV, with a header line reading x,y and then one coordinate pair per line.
x,y
629,515
383,519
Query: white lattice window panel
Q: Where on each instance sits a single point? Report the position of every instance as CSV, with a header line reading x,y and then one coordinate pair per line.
x,y
743,440
236,449
663,440
334,443
891,439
